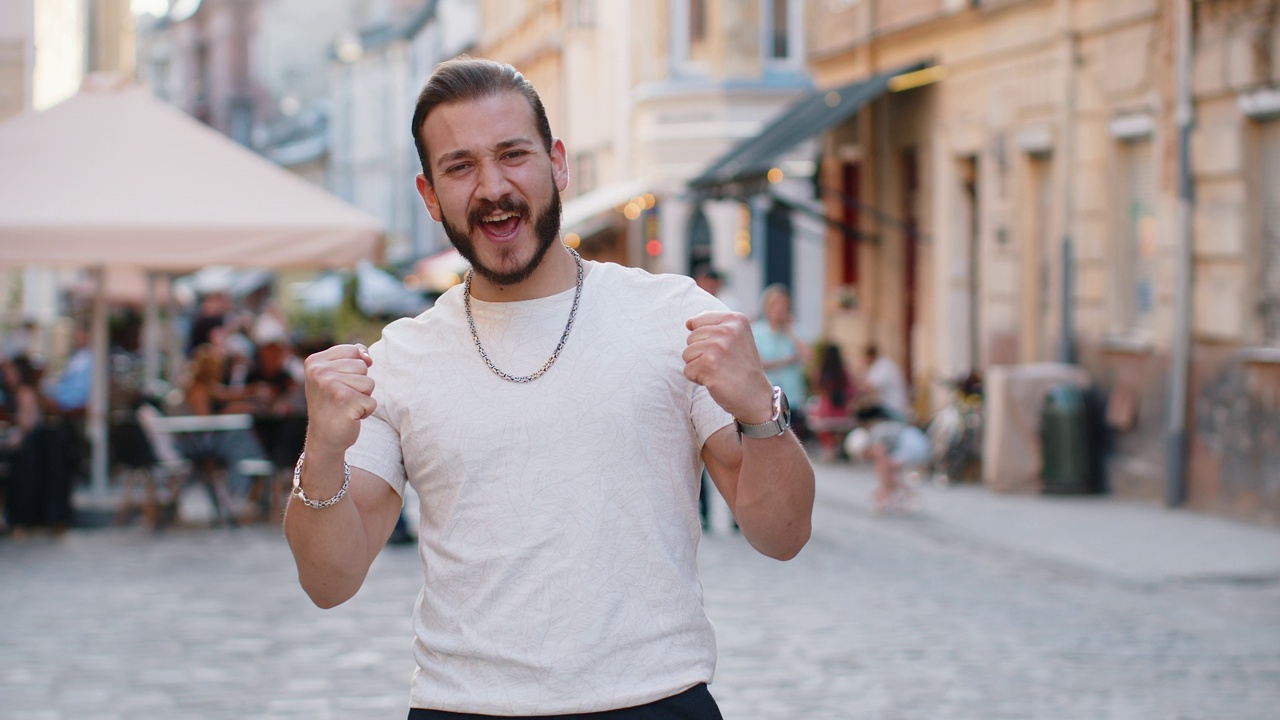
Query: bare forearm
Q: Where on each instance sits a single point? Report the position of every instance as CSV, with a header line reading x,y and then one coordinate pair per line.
x,y
774,502
330,546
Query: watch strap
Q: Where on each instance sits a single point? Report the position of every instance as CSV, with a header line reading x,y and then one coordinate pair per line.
x,y
772,427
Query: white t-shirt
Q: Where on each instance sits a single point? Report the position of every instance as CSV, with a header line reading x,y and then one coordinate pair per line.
x,y
890,385
559,522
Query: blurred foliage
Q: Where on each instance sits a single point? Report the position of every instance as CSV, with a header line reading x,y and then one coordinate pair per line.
x,y
343,324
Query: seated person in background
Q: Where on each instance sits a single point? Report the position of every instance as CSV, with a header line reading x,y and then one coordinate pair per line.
x,y
274,386
829,416
204,394
893,446
885,379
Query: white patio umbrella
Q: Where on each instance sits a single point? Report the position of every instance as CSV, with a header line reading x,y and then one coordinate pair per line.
x,y
114,177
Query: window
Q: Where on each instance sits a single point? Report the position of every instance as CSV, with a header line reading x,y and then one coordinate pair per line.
x,y
583,13
1136,249
584,173
779,47
698,30
690,36
1269,249
781,25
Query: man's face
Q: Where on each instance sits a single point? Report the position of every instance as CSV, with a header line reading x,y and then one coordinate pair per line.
x,y
494,186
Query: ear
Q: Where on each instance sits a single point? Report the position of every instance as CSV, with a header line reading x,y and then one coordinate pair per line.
x,y
559,164
428,193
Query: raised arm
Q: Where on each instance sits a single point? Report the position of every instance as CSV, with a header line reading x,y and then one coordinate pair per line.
x,y
768,482
334,546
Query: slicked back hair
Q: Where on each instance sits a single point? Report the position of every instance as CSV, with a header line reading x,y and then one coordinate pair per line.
x,y
468,78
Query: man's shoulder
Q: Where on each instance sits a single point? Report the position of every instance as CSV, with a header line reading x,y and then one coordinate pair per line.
x,y
417,332
615,273
655,288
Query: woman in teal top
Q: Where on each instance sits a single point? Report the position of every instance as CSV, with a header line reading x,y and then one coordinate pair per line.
x,y
784,355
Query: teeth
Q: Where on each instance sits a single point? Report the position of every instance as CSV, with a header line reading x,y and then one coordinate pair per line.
x,y
500,218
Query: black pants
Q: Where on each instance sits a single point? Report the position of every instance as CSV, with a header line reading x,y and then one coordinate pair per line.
x,y
695,703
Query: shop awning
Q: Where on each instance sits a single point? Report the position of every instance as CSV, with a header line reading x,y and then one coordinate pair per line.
x,y
583,214
816,112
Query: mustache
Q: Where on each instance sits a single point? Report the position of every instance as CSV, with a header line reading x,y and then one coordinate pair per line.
x,y
485,208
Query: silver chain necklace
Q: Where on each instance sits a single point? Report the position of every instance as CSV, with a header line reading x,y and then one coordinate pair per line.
x,y
471,323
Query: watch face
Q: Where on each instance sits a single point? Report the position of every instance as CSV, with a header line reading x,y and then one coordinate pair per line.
x,y
784,409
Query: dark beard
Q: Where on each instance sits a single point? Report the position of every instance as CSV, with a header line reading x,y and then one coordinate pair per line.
x,y
546,229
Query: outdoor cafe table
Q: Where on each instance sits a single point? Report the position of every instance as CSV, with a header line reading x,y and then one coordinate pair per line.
x,y
200,446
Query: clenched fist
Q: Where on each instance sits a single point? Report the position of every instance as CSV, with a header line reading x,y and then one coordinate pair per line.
x,y
339,394
721,356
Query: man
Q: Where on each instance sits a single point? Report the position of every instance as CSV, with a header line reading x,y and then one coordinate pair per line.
x,y
552,415
712,280
70,389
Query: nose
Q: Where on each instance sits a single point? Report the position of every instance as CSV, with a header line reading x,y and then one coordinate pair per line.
x,y
493,184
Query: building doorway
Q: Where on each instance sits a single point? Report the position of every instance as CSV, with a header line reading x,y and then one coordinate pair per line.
x,y
909,171
699,240
777,246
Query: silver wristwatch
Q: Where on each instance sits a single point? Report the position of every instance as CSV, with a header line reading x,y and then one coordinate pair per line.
x,y
775,425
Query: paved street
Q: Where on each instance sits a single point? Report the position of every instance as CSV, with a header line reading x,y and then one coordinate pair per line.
x,y
974,606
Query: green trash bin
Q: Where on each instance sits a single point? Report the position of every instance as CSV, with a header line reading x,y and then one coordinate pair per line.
x,y
1066,443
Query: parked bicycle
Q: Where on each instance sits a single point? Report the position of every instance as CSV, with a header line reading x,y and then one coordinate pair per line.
x,y
955,431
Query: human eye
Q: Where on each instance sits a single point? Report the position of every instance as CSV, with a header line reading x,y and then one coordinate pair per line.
x,y
514,154
457,168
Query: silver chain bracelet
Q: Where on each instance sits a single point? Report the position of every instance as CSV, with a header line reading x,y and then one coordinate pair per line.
x,y
319,504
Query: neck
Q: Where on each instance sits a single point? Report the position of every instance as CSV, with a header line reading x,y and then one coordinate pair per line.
x,y
556,273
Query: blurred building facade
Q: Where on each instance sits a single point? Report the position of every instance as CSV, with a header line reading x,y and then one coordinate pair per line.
x,y
47,48
965,183
645,96
1017,202
375,74
17,56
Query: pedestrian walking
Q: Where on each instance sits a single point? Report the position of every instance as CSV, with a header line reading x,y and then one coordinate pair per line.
x,y
553,414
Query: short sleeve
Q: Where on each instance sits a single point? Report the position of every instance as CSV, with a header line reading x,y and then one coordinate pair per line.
x,y
378,449
707,415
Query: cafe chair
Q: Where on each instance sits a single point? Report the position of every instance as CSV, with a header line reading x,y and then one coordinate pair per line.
x,y
149,465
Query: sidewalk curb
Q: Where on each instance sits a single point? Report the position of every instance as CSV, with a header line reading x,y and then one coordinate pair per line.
x,y
1113,537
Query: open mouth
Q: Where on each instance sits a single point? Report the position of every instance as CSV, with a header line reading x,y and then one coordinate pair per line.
x,y
498,220
501,225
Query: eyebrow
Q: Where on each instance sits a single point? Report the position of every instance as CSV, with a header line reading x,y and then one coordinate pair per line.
x,y
498,147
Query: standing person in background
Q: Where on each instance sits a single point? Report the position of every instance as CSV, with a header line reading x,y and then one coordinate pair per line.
x,y
69,392
712,281
888,384
783,354
552,414
40,487
70,389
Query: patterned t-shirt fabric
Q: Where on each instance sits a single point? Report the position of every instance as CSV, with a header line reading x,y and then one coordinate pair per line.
x,y
558,518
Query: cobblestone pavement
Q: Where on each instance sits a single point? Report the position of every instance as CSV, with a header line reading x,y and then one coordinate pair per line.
x,y
881,616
